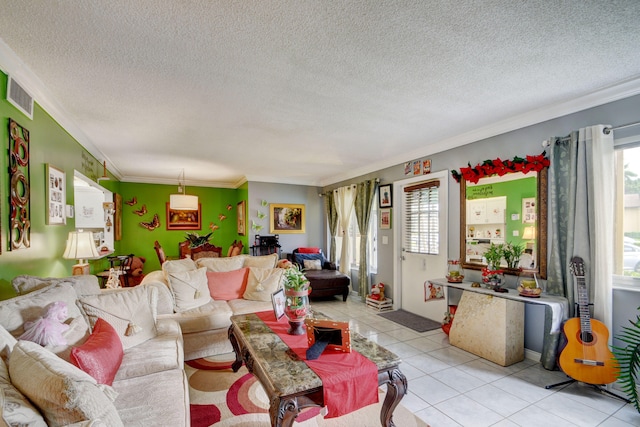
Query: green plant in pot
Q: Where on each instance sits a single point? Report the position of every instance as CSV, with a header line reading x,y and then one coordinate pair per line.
x,y
296,290
196,240
493,255
629,360
512,253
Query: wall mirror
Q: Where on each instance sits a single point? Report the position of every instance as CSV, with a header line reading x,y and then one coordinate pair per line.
x,y
93,211
505,209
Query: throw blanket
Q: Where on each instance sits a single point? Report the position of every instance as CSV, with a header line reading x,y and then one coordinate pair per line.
x,y
349,380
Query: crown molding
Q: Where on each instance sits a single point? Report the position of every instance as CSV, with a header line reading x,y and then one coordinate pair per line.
x,y
611,93
12,65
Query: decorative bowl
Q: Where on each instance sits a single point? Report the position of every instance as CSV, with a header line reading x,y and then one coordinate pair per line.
x,y
455,279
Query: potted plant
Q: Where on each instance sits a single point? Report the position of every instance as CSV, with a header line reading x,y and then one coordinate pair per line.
x,y
512,253
296,290
196,240
628,358
493,255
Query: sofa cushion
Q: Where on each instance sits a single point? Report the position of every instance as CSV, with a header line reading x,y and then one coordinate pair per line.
x,y
63,393
222,264
245,306
301,258
16,408
162,353
262,282
227,285
213,315
178,265
158,399
263,261
310,250
101,355
131,311
16,311
189,289
84,284
312,264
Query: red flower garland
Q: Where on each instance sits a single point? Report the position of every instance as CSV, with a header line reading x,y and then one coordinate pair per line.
x,y
500,167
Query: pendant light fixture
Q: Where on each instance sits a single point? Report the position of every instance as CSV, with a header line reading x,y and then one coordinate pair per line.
x,y
182,201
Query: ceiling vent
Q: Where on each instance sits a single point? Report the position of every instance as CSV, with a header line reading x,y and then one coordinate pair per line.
x,y
19,97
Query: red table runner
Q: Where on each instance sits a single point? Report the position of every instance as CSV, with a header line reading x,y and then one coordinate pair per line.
x,y
349,380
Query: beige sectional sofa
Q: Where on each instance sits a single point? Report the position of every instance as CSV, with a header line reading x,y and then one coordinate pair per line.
x,y
225,286
180,313
40,386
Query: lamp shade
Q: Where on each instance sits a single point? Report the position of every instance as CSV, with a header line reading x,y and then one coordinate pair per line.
x,y
529,233
183,202
80,245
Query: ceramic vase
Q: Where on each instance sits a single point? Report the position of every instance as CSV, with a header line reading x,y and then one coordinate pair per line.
x,y
296,310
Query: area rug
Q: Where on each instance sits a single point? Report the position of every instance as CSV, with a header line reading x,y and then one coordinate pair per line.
x,y
410,320
220,398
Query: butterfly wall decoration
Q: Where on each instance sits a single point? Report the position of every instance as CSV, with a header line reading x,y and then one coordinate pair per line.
x,y
155,223
132,201
222,217
141,211
213,226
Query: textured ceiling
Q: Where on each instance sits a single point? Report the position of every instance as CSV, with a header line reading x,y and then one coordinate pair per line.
x,y
308,92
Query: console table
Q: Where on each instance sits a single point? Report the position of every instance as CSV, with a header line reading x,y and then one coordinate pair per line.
x,y
491,324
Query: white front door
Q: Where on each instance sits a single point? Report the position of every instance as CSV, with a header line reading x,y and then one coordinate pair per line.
x,y
422,252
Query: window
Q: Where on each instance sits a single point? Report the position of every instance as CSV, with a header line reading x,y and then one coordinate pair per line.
x,y
627,233
372,239
422,213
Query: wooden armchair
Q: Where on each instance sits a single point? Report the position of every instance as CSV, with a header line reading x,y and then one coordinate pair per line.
x,y
204,251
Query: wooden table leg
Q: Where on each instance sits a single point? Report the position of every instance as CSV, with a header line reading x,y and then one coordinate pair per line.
x,y
283,411
236,349
396,389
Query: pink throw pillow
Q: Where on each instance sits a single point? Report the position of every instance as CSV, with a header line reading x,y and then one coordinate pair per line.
x,y
101,355
308,250
227,285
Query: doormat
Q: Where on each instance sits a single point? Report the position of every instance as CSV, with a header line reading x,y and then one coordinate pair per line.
x,y
410,320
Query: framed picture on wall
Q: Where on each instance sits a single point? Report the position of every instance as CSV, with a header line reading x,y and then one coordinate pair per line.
x,y
242,218
56,196
178,219
286,218
385,219
384,195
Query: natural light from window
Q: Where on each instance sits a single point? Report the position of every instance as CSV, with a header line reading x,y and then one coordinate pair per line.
x,y
627,232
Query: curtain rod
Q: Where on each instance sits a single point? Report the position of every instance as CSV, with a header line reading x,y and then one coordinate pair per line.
x,y
606,130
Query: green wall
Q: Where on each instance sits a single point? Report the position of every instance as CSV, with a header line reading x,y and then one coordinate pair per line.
x,y
49,143
139,241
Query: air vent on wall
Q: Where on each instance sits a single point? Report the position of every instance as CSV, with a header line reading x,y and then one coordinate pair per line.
x,y
19,97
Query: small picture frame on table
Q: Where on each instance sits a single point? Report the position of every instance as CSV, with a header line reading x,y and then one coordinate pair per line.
x,y
278,299
385,196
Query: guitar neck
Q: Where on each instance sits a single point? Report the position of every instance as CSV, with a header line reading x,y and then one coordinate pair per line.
x,y
583,305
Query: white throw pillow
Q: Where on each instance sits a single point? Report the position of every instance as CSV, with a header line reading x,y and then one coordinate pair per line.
x,y
178,265
63,393
190,289
221,265
312,264
131,311
16,408
263,261
262,282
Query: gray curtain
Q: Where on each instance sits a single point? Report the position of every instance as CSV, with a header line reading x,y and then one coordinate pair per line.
x,y
332,217
365,194
580,212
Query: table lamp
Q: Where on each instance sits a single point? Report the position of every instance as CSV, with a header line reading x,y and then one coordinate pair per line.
x,y
80,246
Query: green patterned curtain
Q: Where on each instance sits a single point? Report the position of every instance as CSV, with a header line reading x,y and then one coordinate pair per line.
x,y
332,216
365,194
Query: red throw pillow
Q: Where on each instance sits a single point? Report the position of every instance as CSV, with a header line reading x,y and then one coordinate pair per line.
x,y
227,285
101,355
308,250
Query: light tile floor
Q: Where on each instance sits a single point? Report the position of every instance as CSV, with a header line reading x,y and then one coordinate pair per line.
x,y
451,387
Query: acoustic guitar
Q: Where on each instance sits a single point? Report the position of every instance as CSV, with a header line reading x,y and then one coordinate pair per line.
x,y
586,356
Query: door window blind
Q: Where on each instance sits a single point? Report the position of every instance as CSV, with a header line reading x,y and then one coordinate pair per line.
x,y
422,216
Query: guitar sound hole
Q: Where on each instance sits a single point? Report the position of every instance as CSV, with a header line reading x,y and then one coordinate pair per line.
x,y
586,337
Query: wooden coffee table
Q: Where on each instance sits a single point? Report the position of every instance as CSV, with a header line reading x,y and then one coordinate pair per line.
x,y
287,380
